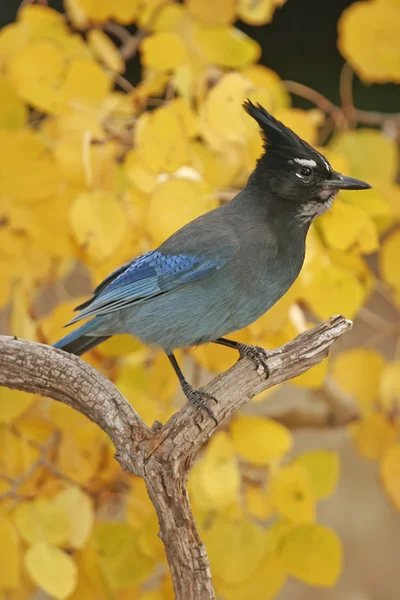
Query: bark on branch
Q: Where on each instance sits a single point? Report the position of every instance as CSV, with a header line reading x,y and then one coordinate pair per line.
x,y
163,454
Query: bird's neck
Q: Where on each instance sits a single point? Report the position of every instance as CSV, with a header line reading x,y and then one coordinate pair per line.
x,y
275,211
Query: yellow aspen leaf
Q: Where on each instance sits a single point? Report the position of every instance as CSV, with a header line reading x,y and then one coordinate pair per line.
x,y
371,154
217,474
222,13
10,574
222,110
78,463
86,165
122,11
169,18
352,261
373,203
24,152
13,403
154,55
105,50
333,291
13,112
42,521
313,554
265,582
390,474
257,502
313,378
389,389
235,548
291,494
179,201
52,570
120,345
347,226
40,16
264,78
16,455
368,39
187,115
388,260
358,372
260,440
161,140
33,71
99,224
219,359
52,325
226,47
216,168
149,543
85,83
322,468
117,546
21,322
301,121
138,505
78,507
258,12
374,435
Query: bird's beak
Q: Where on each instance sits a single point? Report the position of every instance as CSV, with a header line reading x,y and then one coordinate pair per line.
x,y
342,182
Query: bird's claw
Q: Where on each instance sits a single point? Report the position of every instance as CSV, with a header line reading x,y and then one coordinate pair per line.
x,y
198,399
258,355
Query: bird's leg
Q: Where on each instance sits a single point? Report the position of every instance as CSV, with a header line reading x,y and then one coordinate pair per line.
x,y
197,398
258,355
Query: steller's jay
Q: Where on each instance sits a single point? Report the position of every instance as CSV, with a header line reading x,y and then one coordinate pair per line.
x,y
225,269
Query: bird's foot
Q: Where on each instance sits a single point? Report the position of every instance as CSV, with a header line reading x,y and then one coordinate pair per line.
x,y
258,355
198,399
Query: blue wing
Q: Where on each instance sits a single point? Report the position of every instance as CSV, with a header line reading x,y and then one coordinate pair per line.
x,y
148,275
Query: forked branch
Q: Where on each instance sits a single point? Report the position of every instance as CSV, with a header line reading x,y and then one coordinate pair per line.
x,y
162,455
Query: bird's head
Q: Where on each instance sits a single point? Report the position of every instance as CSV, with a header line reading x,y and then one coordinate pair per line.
x,y
294,171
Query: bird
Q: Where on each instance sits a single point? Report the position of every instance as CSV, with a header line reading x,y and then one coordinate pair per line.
x,y
226,268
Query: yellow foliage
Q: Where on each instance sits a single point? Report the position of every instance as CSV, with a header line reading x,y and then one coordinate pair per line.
x,y
52,569
388,258
291,494
222,13
215,480
179,201
235,549
374,435
79,509
258,13
371,155
104,49
225,47
260,440
154,55
334,290
358,372
323,471
10,574
13,403
368,39
313,554
99,224
390,474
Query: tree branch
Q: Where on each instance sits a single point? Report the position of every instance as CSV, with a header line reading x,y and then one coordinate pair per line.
x,y
162,455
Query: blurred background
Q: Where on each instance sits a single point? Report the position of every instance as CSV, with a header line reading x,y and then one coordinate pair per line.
x,y
121,120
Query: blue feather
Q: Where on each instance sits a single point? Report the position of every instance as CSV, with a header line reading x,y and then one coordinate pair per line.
x,y
148,275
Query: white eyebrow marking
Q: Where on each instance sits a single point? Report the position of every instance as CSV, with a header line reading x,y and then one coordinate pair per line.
x,y
304,162
328,166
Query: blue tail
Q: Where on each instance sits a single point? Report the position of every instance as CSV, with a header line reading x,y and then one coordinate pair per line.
x,y
78,342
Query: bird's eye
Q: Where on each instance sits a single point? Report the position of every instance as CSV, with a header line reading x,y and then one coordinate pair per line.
x,y
305,171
